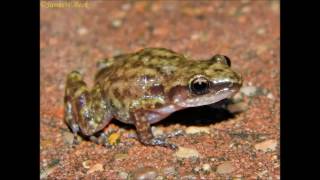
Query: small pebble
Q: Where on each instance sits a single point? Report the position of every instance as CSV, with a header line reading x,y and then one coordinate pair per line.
x,y
275,6
86,164
262,173
197,129
61,86
82,31
261,31
249,90
195,36
94,168
186,153
202,37
189,177
120,156
268,145
237,177
262,91
206,167
261,49
47,171
123,175
196,169
246,9
116,23
275,157
225,168
159,178
213,159
237,97
126,6
237,107
156,131
68,138
169,171
145,173
270,96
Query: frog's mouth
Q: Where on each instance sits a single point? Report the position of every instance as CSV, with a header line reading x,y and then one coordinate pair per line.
x,y
193,101
209,98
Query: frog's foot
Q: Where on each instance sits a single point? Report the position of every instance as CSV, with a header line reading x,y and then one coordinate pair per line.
x,y
166,136
85,111
160,142
72,124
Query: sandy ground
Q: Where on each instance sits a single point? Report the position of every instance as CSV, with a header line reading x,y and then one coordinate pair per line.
x,y
242,146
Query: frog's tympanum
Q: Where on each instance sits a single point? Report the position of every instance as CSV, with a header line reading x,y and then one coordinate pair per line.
x,y
145,87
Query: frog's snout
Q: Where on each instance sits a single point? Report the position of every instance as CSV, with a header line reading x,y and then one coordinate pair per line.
x,y
218,86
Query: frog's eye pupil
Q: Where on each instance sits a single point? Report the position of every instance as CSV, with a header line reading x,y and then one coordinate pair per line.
x,y
200,86
227,61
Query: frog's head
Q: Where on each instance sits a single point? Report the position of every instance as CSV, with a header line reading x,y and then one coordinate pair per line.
x,y
207,82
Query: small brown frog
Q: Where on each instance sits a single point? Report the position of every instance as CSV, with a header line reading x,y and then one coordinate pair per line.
x,y
145,87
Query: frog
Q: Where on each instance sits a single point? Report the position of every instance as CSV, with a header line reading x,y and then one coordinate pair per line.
x,y
145,87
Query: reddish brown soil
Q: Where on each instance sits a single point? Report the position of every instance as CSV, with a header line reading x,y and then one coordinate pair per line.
x,y
77,37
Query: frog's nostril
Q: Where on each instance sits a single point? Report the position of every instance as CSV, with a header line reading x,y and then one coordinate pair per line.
x,y
200,86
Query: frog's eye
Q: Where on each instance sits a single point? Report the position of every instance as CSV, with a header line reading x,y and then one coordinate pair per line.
x,y
221,59
199,85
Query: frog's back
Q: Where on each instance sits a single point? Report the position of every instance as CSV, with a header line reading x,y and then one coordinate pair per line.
x,y
160,59
138,75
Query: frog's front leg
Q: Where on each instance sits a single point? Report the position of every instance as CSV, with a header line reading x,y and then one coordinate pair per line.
x,y
85,111
142,120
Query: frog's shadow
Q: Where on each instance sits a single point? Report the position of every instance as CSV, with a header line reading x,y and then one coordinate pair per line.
x,y
195,116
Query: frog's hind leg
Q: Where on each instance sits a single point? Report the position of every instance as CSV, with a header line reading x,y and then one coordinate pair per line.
x,y
86,111
142,123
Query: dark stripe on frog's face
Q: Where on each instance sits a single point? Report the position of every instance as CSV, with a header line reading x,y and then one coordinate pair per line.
x,y
218,70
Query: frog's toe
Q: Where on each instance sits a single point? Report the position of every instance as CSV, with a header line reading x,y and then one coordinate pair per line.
x,y
162,142
171,134
76,140
175,133
173,146
101,140
94,139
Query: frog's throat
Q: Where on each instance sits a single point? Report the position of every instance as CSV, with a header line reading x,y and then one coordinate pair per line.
x,y
207,99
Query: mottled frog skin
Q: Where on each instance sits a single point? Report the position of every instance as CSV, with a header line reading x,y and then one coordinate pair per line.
x,y
145,87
